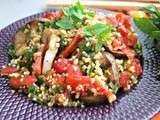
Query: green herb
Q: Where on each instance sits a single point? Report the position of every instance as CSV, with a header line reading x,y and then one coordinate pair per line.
x,y
40,79
63,43
11,51
74,16
88,49
51,24
114,87
138,49
145,25
28,57
58,89
151,25
134,79
102,33
65,23
32,89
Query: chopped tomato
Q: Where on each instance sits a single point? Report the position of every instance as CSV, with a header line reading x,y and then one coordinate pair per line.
x,y
75,80
54,15
61,65
27,80
135,63
119,19
132,40
124,78
123,19
118,44
8,70
123,31
74,69
60,80
111,19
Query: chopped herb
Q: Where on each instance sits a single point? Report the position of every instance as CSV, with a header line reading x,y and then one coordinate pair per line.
x,y
63,43
51,24
58,89
40,79
32,89
65,23
88,49
74,16
134,79
101,31
11,51
28,56
114,87
138,49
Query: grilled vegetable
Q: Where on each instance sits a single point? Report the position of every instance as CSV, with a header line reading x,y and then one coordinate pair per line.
x,y
50,53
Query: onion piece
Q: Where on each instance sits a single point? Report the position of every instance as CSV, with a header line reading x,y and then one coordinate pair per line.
x,y
50,53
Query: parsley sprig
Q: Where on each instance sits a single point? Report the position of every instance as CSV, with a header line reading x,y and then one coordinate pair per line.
x,y
74,16
102,33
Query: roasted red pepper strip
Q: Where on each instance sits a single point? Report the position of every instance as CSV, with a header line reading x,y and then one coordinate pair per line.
x,y
8,70
27,80
69,49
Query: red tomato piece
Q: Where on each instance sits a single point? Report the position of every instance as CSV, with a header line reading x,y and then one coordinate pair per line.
x,y
27,80
54,15
132,40
112,20
123,31
123,19
135,63
74,70
118,44
49,16
61,65
60,80
75,80
124,78
8,70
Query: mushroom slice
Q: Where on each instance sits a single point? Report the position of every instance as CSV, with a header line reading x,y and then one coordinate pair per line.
x,y
93,99
114,67
50,53
20,42
47,33
116,53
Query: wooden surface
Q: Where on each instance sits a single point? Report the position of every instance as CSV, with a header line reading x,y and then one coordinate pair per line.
x,y
107,4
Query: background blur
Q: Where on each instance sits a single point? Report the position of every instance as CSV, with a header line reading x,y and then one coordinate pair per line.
x,y
12,10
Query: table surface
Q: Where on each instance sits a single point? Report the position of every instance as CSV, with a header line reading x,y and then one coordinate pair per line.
x,y
12,10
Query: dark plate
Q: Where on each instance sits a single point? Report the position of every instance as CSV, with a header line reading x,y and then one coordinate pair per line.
x,y
142,102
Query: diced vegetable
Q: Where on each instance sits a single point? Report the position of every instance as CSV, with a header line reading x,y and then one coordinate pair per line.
x,y
8,70
27,80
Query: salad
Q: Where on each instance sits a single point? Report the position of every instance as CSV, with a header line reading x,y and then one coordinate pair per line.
x,y
74,57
